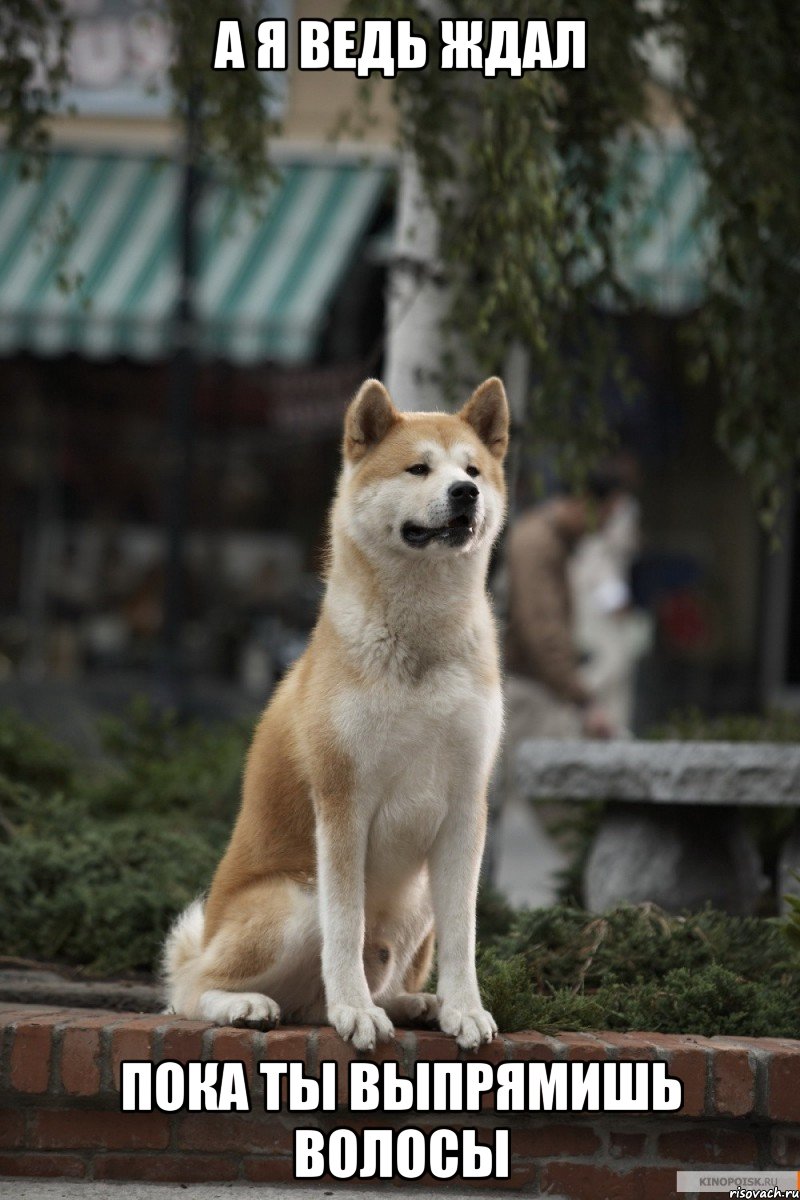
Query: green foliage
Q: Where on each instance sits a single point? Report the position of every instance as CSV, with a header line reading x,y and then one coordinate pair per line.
x,y
566,947
33,33
742,105
100,894
792,922
692,725
96,861
30,755
175,769
637,968
520,175
233,105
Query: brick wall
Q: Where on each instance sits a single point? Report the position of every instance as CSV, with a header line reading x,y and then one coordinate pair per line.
x,y
60,1110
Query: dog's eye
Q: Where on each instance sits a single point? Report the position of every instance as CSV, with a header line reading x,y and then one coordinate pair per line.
x,y
419,469
472,471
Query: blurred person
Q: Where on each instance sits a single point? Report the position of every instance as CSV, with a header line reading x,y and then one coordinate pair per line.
x,y
547,695
611,634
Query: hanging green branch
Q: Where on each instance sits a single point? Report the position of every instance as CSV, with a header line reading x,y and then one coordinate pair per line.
x,y
519,173
34,36
743,110
235,105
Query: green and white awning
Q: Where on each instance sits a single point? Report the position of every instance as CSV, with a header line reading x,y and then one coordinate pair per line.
x,y
662,244
88,257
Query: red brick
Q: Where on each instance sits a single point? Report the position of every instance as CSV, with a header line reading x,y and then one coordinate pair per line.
x,y
331,1048
555,1141
521,1175
581,1181
133,1041
393,1051
12,1128
785,1148
709,1147
765,1044
784,1084
51,1166
32,1052
68,1129
236,1045
434,1047
183,1041
81,1061
284,1045
687,1060
658,1183
582,1047
493,1052
287,1045
531,1047
166,1168
234,1132
11,1013
639,1047
626,1145
273,1170
734,1083
690,1065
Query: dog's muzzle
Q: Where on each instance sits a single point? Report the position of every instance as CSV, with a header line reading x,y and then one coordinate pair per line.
x,y
462,498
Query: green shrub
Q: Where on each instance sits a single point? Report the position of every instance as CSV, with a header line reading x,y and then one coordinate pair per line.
x,y
30,756
95,863
692,725
638,968
100,894
160,765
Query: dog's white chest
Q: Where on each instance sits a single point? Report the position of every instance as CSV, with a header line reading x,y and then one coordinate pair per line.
x,y
415,751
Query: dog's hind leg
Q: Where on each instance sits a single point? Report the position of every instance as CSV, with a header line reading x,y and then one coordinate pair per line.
x,y
262,958
410,1004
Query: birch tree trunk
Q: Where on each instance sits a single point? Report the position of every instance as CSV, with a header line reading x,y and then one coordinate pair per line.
x,y
418,299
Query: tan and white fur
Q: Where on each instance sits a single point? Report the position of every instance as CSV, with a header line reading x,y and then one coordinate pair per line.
x,y
363,814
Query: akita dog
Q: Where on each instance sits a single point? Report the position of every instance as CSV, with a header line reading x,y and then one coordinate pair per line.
x,y
364,799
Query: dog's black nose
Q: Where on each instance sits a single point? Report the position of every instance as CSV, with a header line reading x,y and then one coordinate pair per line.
x,y
462,494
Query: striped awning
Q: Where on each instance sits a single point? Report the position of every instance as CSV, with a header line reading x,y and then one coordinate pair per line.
x,y
663,246
89,257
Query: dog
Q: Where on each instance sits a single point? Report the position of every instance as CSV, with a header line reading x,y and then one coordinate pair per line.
x,y
363,812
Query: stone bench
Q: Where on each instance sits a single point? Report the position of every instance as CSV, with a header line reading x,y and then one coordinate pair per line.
x,y
672,832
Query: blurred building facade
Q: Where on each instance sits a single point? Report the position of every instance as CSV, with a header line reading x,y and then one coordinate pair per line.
x,y
291,315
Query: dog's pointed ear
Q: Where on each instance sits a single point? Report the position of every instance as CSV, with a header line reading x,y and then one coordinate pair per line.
x,y
369,418
487,412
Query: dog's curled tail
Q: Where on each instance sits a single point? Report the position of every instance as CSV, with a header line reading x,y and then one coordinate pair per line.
x,y
182,950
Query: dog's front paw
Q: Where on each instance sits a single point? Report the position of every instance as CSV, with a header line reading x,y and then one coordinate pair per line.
x,y
361,1026
469,1025
251,1009
413,1006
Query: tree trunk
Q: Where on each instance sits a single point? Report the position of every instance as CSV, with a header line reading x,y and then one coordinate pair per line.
x,y
417,300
